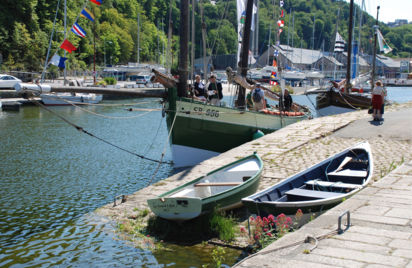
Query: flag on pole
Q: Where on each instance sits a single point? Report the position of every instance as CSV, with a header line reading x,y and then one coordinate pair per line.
x,y
383,46
282,14
281,23
281,3
66,45
87,14
97,2
77,30
276,53
58,61
339,43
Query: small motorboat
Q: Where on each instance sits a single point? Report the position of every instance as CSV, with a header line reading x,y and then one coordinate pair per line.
x,y
223,187
70,98
319,187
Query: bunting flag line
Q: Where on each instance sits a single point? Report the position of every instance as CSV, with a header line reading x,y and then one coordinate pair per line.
x,y
87,14
281,23
281,3
339,43
77,30
58,61
276,53
282,14
274,64
97,2
383,46
66,45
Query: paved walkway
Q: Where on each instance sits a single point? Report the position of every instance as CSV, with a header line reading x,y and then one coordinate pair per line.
x,y
380,234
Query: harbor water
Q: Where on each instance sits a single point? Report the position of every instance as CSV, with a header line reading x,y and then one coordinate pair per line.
x,y
52,178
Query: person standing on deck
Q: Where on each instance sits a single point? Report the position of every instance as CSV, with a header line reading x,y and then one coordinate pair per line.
x,y
214,91
287,101
258,98
199,88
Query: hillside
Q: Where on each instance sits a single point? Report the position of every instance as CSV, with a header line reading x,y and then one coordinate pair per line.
x,y
25,28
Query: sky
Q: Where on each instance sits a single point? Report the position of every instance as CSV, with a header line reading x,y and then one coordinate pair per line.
x,y
390,9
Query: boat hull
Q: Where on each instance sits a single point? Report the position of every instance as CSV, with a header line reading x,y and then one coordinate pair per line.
x,y
318,197
62,99
187,202
218,129
345,100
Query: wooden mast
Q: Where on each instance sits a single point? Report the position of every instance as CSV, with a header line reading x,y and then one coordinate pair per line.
x,y
374,49
349,60
244,54
184,41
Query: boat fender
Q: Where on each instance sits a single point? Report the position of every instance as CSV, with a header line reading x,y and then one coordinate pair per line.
x,y
258,134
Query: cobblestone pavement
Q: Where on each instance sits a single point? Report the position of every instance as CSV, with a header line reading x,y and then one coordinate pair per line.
x,y
380,234
284,152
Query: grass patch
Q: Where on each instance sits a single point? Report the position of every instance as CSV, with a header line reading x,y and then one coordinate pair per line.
x,y
207,226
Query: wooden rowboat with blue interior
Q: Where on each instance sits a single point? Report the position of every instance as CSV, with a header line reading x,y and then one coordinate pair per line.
x,y
223,187
319,187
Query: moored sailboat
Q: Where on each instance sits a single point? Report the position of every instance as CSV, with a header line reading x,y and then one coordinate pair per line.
x,y
200,130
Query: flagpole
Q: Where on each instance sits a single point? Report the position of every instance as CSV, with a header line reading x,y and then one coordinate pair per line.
x,y
65,35
374,49
50,43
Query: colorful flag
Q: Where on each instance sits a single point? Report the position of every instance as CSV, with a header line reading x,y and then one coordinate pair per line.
x,y
276,53
87,14
97,2
281,3
77,30
281,23
274,64
383,46
66,45
339,43
58,61
282,14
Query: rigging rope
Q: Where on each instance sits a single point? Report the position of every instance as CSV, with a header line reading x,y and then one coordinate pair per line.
x,y
81,129
164,150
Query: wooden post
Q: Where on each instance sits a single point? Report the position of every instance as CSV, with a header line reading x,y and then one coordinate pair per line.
x,y
184,40
245,53
374,50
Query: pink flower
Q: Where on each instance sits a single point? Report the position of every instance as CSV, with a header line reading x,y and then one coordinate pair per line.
x,y
269,234
252,219
265,230
271,218
242,230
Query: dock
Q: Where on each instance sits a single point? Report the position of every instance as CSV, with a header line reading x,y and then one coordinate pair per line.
x,y
379,234
286,152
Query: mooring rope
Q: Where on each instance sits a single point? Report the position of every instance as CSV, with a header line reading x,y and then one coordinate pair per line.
x,y
164,151
81,129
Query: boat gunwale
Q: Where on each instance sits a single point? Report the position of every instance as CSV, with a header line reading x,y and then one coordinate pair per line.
x,y
189,100
323,201
255,177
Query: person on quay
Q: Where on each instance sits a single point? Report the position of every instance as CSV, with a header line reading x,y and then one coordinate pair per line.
x,y
214,91
378,94
385,93
258,98
199,88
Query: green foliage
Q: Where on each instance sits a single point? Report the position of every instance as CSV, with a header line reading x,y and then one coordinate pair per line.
x,y
26,25
222,226
218,256
110,80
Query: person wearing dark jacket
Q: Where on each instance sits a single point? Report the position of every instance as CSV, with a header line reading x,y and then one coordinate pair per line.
x,y
286,101
214,91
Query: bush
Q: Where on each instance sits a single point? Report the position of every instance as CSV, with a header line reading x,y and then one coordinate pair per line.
x,y
110,80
